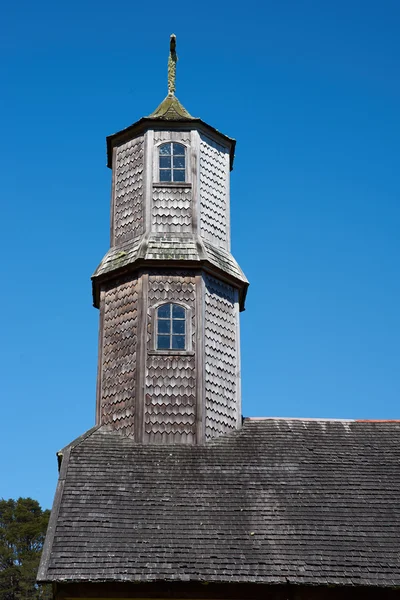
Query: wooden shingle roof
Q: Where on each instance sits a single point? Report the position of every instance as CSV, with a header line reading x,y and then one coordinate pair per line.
x,y
171,109
279,501
168,250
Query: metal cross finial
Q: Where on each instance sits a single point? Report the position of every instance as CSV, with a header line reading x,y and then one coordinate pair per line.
x,y
172,65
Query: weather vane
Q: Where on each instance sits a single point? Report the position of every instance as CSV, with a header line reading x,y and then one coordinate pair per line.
x,y
172,65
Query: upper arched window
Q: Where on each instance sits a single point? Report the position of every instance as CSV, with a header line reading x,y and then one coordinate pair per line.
x,y
170,327
172,159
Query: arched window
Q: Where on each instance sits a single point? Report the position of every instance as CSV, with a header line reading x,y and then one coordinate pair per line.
x,y
172,162
171,327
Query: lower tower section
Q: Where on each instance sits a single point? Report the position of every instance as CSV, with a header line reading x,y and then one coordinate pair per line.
x,y
170,391
169,367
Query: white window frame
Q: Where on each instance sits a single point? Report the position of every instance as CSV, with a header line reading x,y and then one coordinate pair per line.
x,y
156,165
153,329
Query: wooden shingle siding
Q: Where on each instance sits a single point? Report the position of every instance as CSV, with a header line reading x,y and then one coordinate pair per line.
x,y
128,202
170,392
157,228
172,210
118,373
221,360
169,415
213,192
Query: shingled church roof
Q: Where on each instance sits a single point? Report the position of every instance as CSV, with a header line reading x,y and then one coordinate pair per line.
x,y
278,501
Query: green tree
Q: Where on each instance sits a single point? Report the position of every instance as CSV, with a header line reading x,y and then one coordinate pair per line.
x,y
23,526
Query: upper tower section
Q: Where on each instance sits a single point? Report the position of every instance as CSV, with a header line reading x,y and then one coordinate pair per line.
x,y
170,192
171,174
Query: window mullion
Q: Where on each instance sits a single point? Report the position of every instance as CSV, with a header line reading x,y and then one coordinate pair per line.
x,y
170,306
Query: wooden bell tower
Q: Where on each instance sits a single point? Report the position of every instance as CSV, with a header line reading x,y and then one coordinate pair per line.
x,y
169,291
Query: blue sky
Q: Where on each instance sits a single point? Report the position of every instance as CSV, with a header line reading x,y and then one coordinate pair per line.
x,y
311,91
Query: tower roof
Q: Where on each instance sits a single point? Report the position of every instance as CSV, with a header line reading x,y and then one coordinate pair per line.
x,y
170,110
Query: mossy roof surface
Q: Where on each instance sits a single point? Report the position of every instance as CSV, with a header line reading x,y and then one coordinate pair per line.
x,y
171,109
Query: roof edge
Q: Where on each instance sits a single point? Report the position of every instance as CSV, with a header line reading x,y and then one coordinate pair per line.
x,y
143,263
64,454
137,587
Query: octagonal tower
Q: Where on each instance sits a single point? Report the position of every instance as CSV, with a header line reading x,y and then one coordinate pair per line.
x,y
169,290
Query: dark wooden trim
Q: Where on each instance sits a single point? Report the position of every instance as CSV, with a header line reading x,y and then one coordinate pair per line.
x,y
148,142
239,418
195,154
228,206
112,203
200,388
170,353
198,590
141,347
171,184
100,359
207,266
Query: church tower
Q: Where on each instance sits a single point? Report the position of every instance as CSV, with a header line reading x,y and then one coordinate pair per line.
x,y
169,291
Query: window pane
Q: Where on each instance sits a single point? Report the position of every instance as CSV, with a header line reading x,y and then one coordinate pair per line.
x,y
165,174
179,149
178,327
163,342
164,311
164,326
178,342
165,149
179,162
179,175
165,162
178,312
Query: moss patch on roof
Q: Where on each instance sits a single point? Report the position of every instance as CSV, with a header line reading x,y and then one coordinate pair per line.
x,y
171,109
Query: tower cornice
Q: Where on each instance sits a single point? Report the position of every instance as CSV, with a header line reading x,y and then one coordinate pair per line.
x,y
113,267
158,123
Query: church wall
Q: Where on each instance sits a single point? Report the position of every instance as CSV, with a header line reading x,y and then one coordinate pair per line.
x,y
213,180
118,359
127,203
170,386
222,393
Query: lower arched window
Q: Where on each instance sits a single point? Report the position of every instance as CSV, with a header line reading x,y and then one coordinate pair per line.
x,y
170,327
